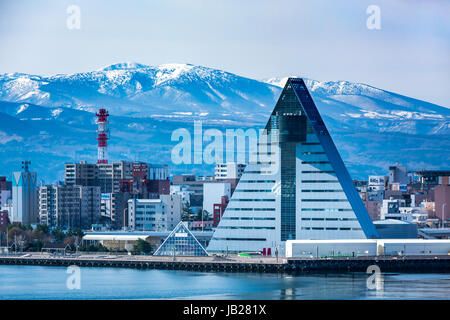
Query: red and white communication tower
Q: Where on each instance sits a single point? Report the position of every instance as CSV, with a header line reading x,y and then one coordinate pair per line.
x,y
102,135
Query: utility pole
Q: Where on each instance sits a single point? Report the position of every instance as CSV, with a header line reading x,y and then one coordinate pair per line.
x,y
276,252
443,215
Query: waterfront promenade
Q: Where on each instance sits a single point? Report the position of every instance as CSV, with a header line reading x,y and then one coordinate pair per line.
x,y
235,263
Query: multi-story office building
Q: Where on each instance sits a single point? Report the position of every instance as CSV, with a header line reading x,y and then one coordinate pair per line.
x,y
105,175
147,215
59,206
119,181
229,170
90,206
24,196
82,173
110,174
69,206
298,188
161,214
398,174
119,205
174,207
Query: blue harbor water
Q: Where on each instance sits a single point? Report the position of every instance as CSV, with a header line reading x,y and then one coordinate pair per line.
x,y
36,282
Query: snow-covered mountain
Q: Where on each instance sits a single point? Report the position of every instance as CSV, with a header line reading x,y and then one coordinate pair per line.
x,y
49,119
364,102
130,89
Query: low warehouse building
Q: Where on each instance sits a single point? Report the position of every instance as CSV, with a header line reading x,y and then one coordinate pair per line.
x,y
115,242
365,247
121,240
408,247
330,248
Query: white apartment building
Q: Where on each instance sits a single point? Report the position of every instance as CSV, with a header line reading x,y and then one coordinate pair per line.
x,y
161,214
229,170
147,215
174,207
183,191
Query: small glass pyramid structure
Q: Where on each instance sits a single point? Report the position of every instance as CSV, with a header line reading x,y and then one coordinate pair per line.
x,y
181,242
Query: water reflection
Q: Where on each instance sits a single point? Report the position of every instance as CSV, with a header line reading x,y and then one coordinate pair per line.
x,y
35,282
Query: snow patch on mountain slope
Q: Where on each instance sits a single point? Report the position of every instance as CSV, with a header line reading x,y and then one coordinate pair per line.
x,y
216,92
277,82
56,112
22,108
171,71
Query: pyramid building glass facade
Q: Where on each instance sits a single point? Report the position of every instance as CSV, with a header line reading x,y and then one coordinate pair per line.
x,y
305,192
181,242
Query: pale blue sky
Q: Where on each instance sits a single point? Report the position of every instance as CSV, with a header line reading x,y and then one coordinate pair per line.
x,y
323,40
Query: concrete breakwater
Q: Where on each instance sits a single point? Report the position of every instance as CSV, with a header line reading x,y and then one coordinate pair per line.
x,y
415,264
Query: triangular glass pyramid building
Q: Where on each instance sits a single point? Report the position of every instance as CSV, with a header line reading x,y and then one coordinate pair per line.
x,y
181,242
307,193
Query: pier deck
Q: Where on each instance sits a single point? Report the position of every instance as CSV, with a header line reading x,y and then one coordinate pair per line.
x,y
439,264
